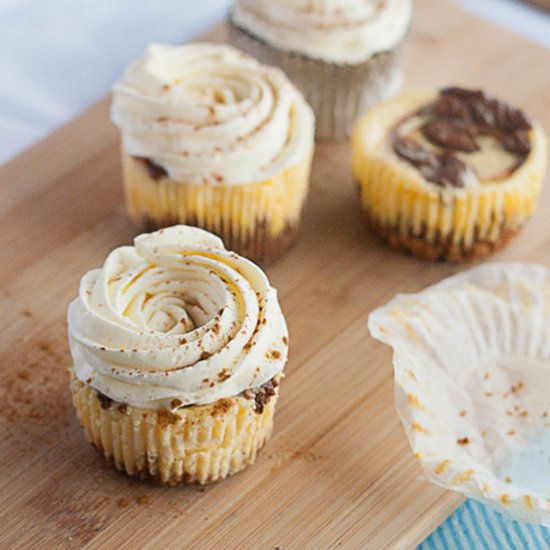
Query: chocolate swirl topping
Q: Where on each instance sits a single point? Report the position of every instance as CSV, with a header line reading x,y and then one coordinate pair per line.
x,y
452,127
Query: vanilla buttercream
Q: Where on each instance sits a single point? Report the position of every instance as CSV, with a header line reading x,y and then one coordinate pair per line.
x,y
211,115
176,320
335,31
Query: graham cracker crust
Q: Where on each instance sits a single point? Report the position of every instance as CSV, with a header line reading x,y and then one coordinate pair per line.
x,y
440,250
259,246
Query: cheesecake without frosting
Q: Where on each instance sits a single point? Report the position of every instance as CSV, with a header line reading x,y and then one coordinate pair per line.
x,y
448,175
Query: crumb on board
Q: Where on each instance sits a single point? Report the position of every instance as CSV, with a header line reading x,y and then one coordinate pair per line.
x,y
123,502
143,500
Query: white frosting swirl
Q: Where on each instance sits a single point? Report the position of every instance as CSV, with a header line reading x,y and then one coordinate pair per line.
x,y
176,317
335,31
209,114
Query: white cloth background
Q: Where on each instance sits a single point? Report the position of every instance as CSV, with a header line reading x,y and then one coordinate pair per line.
x,y
59,56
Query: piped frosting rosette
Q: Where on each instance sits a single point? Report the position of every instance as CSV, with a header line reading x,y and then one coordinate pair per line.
x,y
335,31
176,320
472,372
211,115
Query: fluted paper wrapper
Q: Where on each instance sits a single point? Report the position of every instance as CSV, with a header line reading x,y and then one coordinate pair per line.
x,y
472,374
196,444
337,93
259,221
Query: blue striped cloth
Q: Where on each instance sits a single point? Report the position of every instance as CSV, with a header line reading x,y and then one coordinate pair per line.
x,y
475,526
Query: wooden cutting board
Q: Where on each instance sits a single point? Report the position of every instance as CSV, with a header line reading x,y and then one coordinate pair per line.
x,y
338,471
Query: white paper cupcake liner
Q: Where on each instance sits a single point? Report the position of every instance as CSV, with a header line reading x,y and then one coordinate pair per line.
x,y
338,94
472,373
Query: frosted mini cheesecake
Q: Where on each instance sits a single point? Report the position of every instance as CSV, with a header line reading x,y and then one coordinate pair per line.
x,y
343,54
178,350
212,138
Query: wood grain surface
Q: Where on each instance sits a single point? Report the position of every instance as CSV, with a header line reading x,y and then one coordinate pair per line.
x,y
338,471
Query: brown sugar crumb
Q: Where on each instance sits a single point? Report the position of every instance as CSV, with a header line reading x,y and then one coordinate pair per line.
x,y
175,403
165,418
463,413
221,406
122,408
205,355
488,394
247,346
143,500
486,376
183,341
27,314
463,441
216,328
104,401
524,413
248,394
123,502
544,414
508,479
285,340
264,394
273,354
512,432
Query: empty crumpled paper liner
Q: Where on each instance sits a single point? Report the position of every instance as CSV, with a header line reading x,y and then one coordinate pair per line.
x,y
472,383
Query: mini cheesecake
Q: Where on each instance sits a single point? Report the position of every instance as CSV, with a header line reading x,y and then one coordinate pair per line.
x,y
178,350
212,138
344,55
451,175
